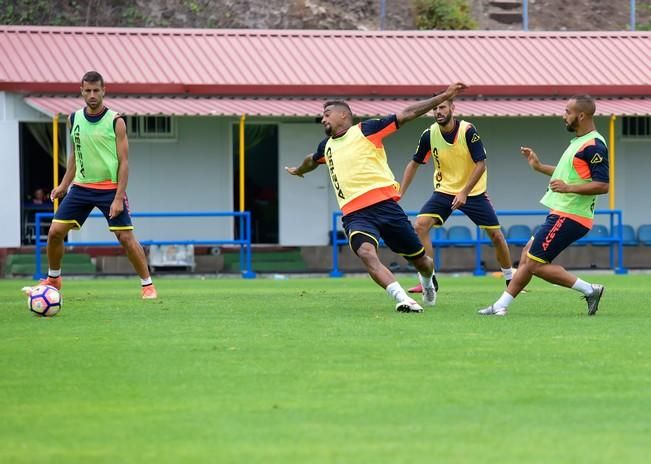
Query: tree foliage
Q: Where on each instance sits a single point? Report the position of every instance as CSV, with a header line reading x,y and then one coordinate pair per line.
x,y
443,15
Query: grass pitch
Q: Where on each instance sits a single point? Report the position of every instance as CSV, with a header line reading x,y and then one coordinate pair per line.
x,y
324,371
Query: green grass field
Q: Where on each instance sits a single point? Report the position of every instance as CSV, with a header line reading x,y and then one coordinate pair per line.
x,y
324,371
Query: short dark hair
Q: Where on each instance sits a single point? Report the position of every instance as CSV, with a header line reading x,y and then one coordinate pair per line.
x,y
92,76
585,103
340,103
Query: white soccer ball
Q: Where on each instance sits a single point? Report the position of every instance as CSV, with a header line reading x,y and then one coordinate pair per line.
x,y
44,300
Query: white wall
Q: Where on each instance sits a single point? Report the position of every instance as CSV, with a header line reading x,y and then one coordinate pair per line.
x,y
9,184
13,110
192,174
195,174
633,165
305,204
13,107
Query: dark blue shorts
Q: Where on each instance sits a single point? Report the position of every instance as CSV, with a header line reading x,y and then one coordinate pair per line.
x,y
478,208
556,234
388,221
80,201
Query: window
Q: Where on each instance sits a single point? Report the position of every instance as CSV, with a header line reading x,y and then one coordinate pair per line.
x,y
636,126
152,127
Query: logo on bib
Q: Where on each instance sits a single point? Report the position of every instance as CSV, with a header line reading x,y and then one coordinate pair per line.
x,y
596,159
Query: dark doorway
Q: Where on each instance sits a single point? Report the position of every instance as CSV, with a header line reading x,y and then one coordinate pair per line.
x,y
37,174
261,180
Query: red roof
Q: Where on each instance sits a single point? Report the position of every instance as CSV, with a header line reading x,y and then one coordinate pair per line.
x,y
311,63
213,106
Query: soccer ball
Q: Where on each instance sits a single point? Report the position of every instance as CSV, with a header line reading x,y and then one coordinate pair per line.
x,y
44,300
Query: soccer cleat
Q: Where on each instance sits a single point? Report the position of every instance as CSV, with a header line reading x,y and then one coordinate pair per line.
x,y
149,292
594,298
429,296
493,311
56,282
409,306
419,288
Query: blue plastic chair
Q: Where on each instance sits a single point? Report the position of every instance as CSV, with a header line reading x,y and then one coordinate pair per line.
x,y
644,234
460,233
439,233
485,237
597,232
519,234
628,235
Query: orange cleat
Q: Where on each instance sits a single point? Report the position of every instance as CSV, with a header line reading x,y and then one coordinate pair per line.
x,y
417,289
149,292
56,282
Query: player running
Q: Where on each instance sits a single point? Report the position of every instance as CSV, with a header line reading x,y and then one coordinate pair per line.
x,y
580,175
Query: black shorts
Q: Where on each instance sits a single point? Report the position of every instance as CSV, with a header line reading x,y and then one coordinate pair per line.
x,y
80,201
478,208
388,221
556,234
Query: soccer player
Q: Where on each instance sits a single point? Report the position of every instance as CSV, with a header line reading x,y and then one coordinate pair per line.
x,y
98,170
367,192
460,179
577,179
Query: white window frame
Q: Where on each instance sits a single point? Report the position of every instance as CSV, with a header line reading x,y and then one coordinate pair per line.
x,y
156,136
644,137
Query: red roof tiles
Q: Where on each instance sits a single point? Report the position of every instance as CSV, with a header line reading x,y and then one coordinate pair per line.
x,y
316,63
212,106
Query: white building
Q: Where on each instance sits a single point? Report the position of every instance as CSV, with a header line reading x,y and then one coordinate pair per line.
x,y
185,91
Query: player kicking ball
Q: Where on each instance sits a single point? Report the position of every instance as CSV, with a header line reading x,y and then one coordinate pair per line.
x,y
368,193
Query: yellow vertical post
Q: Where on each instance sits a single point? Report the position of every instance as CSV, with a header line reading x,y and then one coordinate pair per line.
x,y
55,155
611,163
242,205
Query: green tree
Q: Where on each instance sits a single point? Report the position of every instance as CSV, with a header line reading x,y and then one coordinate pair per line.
x,y
647,26
443,14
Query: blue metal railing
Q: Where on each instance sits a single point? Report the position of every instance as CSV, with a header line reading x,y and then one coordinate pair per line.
x,y
244,240
615,241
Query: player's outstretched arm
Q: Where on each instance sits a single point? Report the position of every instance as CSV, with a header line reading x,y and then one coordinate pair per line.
x,y
422,107
306,166
534,161
591,188
408,176
122,147
68,177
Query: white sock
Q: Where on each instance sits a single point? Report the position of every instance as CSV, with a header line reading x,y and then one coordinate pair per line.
x,y
54,272
146,281
396,292
508,273
504,301
426,282
583,287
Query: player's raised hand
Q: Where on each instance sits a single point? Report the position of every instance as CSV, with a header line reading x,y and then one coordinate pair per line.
x,y
531,157
456,88
294,171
